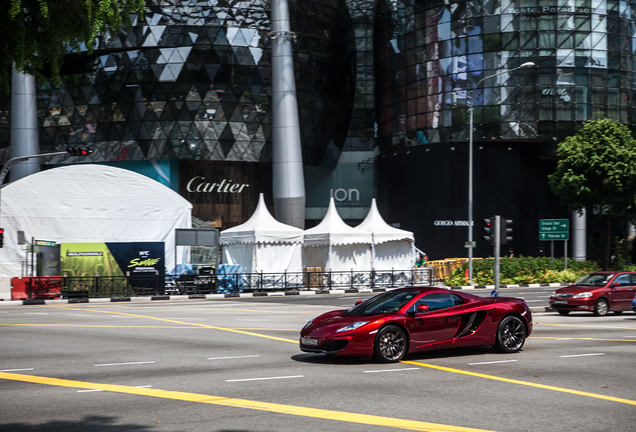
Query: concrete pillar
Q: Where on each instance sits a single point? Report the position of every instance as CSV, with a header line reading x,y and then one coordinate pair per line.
x,y
288,177
24,125
579,244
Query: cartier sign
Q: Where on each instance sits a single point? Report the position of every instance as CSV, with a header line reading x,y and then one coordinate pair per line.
x,y
223,192
201,184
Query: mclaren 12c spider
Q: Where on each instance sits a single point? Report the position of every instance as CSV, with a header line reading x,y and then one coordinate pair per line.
x,y
408,320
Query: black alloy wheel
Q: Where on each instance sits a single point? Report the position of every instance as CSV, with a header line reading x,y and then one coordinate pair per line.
x,y
511,335
390,344
601,308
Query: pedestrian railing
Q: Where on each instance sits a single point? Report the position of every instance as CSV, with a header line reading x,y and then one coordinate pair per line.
x,y
316,279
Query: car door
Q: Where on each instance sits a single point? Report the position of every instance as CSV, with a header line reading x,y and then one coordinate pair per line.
x,y
622,289
436,325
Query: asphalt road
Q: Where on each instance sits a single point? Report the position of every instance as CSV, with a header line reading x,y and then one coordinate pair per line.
x,y
234,365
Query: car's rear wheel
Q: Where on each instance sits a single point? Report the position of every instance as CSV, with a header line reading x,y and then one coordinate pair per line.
x,y
601,307
390,344
563,312
511,335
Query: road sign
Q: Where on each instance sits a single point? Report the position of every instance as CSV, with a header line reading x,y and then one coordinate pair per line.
x,y
554,229
44,243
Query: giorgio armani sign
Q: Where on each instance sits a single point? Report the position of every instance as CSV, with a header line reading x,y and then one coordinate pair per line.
x,y
225,193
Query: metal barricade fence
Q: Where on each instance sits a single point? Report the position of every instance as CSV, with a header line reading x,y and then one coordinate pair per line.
x,y
312,278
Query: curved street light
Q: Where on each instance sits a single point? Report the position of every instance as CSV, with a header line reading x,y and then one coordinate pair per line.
x,y
470,164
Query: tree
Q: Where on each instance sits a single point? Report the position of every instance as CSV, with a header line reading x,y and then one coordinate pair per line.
x,y
36,34
597,169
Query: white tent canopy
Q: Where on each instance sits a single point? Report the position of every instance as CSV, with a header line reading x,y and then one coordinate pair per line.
x,y
393,248
89,203
263,244
336,246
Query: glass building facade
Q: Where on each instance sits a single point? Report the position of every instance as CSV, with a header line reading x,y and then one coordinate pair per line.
x,y
430,55
192,81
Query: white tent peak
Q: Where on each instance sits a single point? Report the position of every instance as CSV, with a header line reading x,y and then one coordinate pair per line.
x,y
333,230
382,232
261,227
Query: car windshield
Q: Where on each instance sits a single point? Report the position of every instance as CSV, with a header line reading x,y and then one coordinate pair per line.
x,y
388,302
595,279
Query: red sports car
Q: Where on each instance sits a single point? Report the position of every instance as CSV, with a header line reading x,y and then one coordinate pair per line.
x,y
408,320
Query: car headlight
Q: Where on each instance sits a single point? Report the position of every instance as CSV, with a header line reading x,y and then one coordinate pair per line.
x,y
308,323
352,326
583,295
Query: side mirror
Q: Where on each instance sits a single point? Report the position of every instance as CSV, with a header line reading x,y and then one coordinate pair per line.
x,y
358,302
615,284
422,308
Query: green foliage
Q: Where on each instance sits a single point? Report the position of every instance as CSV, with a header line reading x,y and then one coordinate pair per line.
x,y
597,167
36,34
523,270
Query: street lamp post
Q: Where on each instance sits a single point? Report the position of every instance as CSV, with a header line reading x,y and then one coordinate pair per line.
x,y
470,164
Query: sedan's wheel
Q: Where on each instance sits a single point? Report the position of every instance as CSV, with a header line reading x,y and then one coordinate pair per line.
x,y
601,307
563,312
511,335
390,344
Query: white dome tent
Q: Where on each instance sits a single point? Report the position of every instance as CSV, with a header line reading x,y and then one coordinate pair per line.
x,y
263,244
88,203
393,248
336,246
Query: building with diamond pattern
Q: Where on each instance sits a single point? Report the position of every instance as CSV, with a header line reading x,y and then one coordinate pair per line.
x,y
183,96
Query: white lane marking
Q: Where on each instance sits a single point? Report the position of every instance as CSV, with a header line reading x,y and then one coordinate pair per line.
x,y
268,378
582,355
181,318
78,315
234,357
16,370
255,320
629,337
390,370
35,313
493,362
122,364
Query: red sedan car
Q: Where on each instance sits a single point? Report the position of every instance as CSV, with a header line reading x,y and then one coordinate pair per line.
x,y
408,320
598,292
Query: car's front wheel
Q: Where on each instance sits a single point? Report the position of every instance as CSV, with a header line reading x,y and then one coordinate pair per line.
x,y
601,307
390,344
511,335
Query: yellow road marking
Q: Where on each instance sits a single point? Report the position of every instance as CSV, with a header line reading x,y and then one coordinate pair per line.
x,y
342,416
574,338
190,324
587,326
525,383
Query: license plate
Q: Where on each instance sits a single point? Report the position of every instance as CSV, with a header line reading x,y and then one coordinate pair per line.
x,y
309,341
560,302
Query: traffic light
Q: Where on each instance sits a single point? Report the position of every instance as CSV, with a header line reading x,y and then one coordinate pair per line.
x,y
1,237
79,151
487,228
505,230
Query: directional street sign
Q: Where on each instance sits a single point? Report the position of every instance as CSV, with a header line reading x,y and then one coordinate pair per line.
x,y
554,229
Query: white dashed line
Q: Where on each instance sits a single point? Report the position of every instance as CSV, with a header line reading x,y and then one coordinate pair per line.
x,y
390,370
582,355
35,313
229,358
122,364
268,378
78,315
16,370
493,362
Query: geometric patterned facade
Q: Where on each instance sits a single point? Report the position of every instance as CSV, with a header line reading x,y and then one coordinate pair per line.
x,y
192,81
430,55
